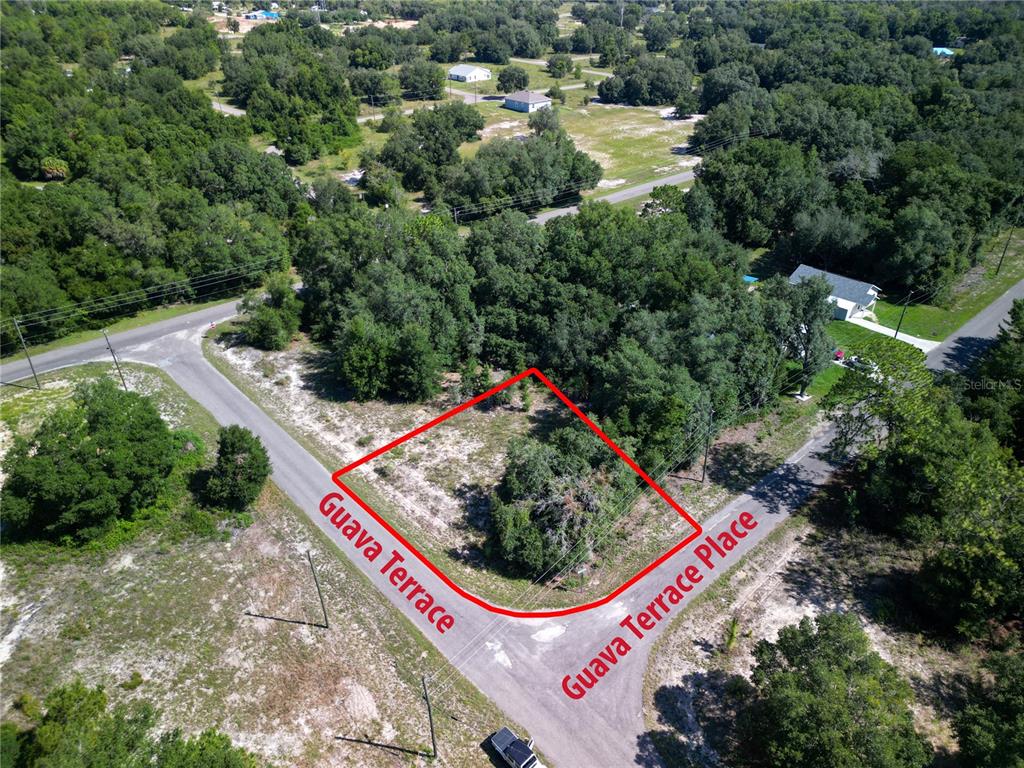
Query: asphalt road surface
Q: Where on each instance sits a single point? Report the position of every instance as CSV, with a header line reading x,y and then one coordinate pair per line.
x,y
518,663
619,195
962,347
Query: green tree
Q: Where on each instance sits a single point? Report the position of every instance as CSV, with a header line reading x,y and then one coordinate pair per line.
x,y
415,366
365,356
105,456
273,316
423,79
80,730
241,469
810,312
559,65
989,728
513,78
825,698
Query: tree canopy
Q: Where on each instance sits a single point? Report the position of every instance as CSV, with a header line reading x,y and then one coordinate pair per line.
x,y
104,456
79,729
823,697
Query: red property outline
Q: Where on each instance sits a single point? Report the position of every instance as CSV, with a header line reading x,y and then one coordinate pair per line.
x,y
697,530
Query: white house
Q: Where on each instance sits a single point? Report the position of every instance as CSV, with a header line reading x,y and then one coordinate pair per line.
x,y
469,73
849,297
527,101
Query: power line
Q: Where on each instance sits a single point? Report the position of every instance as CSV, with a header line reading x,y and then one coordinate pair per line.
x,y
114,302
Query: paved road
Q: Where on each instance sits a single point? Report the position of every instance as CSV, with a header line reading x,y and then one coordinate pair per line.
x,y
618,196
227,109
963,346
518,663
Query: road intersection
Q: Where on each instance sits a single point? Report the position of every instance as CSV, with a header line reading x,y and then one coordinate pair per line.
x,y
520,663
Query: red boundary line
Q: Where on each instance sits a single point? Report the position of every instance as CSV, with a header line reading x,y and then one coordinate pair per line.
x,y
697,530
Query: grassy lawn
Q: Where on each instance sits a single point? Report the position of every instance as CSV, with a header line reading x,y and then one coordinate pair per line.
x,y
344,161
764,264
975,291
124,324
853,339
210,83
540,80
632,144
171,610
822,384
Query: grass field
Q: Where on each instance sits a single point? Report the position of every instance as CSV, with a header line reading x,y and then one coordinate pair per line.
x,y
976,290
856,340
632,144
171,610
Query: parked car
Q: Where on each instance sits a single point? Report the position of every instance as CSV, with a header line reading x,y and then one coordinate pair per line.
x,y
513,750
861,365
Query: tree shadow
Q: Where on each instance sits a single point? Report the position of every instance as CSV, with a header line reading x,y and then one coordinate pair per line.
x,y
492,755
735,466
476,503
321,377
964,352
787,486
699,715
546,420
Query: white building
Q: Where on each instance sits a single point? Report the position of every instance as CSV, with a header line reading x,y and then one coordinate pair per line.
x,y
527,101
849,297
469,73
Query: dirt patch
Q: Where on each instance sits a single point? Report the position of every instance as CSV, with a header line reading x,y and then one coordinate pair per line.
x,y
280,689
505,129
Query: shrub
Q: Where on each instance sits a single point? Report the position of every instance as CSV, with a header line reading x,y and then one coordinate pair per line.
x,y
241,470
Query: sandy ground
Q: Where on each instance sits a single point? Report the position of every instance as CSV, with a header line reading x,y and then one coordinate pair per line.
x,y
432,487
798,572
173,611
424,480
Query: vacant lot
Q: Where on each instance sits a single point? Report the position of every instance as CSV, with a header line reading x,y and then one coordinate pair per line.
x,y
800,570
434,488
632,144
172,610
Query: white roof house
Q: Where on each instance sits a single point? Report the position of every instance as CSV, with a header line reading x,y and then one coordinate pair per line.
x,y
527,101
469,73
849,297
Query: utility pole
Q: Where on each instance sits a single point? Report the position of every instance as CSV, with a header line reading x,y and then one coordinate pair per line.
x,y
707,443
430,716
1003,256
318,592
27,355
902,314
113,354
